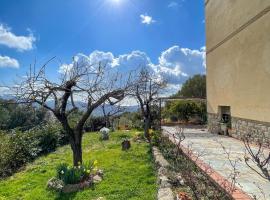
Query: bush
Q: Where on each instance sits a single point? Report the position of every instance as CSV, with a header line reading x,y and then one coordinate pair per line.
x,y
77,174
18,148
94,124
185,110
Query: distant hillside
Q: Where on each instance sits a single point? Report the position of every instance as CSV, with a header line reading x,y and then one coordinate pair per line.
x,y
82,106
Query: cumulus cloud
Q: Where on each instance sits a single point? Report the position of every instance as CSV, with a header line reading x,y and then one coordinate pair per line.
x,y
146,19
105,58
21,43
175,64
178,63
6,61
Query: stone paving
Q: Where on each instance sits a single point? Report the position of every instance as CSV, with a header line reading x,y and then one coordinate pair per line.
x,y
210,148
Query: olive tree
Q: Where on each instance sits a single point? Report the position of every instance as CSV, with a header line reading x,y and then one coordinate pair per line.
x,y
81,85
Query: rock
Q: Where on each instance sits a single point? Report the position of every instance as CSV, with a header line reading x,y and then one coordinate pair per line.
x,y
164,182
55,184
71,188
162,171
97,179
100,173
104,133
126,145
159,159
165,194
180,180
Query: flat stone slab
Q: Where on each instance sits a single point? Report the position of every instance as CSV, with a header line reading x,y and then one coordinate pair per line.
x,y
159,159
165,194
209,147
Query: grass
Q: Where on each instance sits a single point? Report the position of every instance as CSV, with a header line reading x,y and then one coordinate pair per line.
x,y
128,175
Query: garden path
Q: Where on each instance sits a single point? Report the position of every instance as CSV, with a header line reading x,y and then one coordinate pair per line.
x,y
210,149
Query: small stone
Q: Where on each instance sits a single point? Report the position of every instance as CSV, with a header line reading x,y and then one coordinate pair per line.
x,y
100,173
165,194
70,188
159,159
97,179
162,171
164,182
55,184
126,145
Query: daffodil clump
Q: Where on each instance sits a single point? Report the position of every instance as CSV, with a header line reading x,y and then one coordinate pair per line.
x,y
76,174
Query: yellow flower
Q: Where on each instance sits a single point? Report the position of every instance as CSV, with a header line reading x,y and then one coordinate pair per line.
x,y
88,171
95,163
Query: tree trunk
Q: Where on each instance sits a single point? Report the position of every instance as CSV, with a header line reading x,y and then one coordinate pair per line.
x,y
76,146
146,128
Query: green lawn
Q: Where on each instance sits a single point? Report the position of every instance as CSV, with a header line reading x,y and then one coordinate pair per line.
x,y
128,175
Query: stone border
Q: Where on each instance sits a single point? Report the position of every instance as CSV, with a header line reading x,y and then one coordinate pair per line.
x,y
165,188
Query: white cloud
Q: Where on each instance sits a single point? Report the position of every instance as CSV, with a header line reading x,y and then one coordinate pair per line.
x,y
173,4
65,68
146,19
105,58
21,43
175,64
180,63
6,61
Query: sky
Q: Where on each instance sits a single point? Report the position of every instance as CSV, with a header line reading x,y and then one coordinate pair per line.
x,y
165,35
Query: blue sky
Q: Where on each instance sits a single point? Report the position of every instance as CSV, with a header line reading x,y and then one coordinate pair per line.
x,y
167,35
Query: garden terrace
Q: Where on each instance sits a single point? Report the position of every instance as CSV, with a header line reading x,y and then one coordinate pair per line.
x,y
127,174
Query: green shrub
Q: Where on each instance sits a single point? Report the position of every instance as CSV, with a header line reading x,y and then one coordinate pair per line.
x,y
156,138
185,110
18,148
74,175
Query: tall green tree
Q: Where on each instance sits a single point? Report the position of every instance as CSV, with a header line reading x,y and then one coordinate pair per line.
x,y
194,87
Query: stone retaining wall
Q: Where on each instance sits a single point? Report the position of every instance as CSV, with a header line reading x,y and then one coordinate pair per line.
x,y
165,188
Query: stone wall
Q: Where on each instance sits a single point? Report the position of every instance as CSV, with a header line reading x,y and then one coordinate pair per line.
x,y
242,127
256,129
213,123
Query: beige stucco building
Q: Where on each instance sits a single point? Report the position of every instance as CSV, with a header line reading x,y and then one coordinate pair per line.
x,y
238,65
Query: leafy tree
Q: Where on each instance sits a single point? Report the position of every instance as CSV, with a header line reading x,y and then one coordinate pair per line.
x,y
194,87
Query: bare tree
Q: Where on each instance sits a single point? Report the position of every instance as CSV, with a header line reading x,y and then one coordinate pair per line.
x,y
147,89
109,112
259,154
81,81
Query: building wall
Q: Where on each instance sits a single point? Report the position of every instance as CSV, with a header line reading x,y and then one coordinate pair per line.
x,y
238,61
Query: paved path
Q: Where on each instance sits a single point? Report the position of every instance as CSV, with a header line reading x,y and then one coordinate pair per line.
x,y
209,146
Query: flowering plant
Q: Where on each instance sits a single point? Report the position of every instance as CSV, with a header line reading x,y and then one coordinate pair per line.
x,y
76,174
